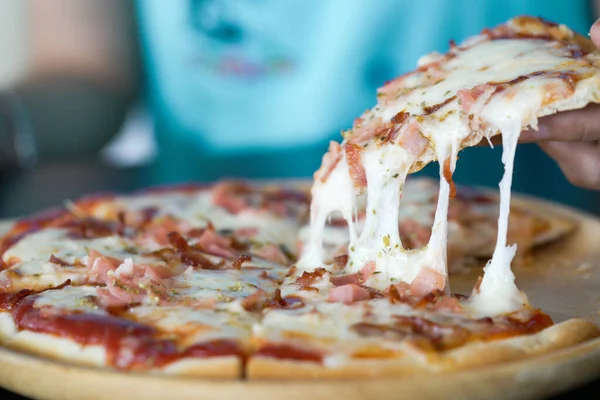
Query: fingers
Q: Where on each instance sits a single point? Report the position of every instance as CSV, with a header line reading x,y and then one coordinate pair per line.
x,y
595,33
579,161
567,126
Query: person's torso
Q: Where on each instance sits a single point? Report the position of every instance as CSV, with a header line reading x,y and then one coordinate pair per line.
x,y
256,88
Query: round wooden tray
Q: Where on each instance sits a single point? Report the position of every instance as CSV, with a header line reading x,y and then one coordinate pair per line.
x,y
564,280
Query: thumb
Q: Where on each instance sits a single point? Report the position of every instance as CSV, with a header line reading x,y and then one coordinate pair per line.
x,y
595,33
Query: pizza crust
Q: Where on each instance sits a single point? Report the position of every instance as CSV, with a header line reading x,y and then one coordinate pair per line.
x,y
559,336
65,350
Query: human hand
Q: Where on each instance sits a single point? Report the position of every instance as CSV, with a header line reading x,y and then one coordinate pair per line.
x,y
572,138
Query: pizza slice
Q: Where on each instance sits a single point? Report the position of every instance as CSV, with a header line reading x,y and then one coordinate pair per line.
x,y
333,325
498,82
108,283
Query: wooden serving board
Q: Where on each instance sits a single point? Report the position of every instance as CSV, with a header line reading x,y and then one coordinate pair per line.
x,y
564,280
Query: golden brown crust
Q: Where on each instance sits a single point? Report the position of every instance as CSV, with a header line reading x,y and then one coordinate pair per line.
x,y
559,336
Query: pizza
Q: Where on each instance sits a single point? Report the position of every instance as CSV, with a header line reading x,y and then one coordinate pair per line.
x,y
344,278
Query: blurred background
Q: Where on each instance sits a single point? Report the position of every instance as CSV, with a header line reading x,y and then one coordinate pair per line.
x,y
116,95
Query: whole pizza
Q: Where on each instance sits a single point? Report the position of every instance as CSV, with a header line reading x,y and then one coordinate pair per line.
x,y
344,277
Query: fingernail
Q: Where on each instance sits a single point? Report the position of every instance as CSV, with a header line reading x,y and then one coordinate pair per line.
x,y
595,27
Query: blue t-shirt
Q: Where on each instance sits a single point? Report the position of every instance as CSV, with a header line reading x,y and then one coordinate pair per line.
x,y
257,88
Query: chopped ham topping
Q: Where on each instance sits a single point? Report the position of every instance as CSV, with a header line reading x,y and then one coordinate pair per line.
x,y
99,267
348,294
468,98
428,280
127,283
272,252
231,196
358,278
412,140
212,243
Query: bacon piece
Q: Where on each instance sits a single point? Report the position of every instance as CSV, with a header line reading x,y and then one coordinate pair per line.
x,y
55,260
99,267
431,109
309,278
399,293
91,228
9,301
348,294
400,118
237,264
256,301
190,255
357,171
427,281
412,140
288,302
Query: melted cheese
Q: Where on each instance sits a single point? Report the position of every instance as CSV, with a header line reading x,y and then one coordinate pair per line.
x,y
433,105
336,194
198,209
